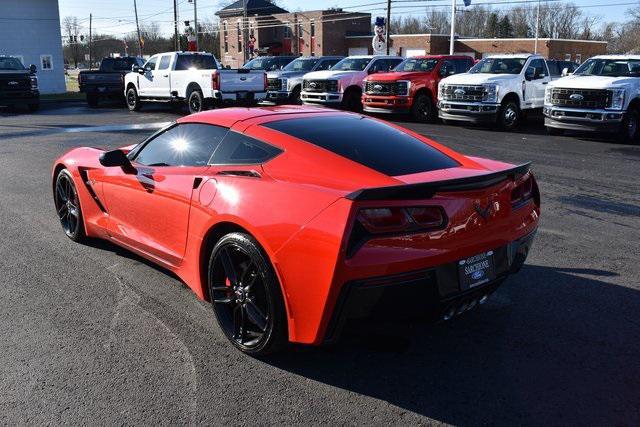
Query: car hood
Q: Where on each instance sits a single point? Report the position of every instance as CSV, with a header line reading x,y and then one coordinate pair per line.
x,y
592,82
14,72
284,74
395,76
479,78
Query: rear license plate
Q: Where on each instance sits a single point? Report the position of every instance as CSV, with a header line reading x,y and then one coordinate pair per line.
x,y
476,270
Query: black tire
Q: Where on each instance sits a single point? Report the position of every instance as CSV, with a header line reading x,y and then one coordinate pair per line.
x,y
295,96
422,109
246,296
195,102
630,129
352,101
555,131
133,100
508,116
67,203
92,100
33,107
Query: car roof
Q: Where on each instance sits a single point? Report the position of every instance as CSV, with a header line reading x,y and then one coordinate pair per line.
x,y
228,117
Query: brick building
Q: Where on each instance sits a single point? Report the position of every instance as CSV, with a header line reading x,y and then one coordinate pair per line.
x,y
279,32
425,44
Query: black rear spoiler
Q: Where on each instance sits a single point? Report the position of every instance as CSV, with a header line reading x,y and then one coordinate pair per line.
x,y
429,189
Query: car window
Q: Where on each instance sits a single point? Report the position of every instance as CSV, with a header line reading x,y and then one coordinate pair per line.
x,y
327,64
117,64
151,63
539,66
8,63
260,63
195,62
383,65
417,65
554,68
165,61
499,66
461,65
239,149
282,62
378,146
393,63
352,64
188,144
301,64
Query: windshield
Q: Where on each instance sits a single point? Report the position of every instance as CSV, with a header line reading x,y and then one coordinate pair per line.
x,y
196,62
301,64
11,64
418,65
499,66
351,64
610,68
260,64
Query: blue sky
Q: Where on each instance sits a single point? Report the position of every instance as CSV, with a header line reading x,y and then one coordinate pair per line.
x,y
116,16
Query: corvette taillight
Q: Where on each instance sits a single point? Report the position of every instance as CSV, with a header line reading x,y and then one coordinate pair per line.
x,y
215,81
525,191
400,220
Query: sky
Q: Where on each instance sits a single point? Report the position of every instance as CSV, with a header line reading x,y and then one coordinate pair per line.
x,y
116,17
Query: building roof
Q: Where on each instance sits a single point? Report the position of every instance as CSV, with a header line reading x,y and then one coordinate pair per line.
x,y
254,7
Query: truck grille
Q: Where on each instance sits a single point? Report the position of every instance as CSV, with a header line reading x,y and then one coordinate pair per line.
x,y
274,84
380,88
592,99
320,85
475,93
14,83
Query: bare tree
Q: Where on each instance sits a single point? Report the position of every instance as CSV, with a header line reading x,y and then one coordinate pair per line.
x,y
72,29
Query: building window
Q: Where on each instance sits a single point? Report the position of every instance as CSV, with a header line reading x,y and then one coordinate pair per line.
x,y
287,32
579,58
225,34
239,28
567,57
313,29
46,62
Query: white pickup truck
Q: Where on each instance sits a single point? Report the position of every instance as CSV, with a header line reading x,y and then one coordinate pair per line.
x,y
499,90
196,78
342,85
602,95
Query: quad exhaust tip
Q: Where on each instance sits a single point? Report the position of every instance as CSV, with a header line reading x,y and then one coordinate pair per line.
x,y
467,304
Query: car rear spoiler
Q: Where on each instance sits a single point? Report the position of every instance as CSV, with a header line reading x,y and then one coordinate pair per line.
x,y
429,189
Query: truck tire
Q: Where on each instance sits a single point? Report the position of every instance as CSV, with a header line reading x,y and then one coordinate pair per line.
x,y
422,109
630,129
295,96
133,100
352,101
195,102
92,100
555,131
508,116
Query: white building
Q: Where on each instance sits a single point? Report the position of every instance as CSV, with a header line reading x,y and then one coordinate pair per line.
x,y
30,31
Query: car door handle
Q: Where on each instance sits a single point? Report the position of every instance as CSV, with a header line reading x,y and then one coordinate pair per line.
x,y
545,83
166,75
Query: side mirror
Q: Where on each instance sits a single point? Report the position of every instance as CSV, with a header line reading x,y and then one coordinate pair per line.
x,y
530,74
135,68
116,158
565,72
33,69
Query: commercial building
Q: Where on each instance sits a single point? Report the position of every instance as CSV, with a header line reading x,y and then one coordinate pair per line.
x,y
30,31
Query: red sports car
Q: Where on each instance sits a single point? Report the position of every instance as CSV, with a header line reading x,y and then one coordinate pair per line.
x,y
290,220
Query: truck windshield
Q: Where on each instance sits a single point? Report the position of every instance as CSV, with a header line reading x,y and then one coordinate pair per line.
x,y
499,66
10,64
301,64
196,62
351,64
268,64
418,65
610,68
118,64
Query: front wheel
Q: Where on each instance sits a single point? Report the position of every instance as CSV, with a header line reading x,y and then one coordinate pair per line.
x,y
246,296
352,101
68,206
295,96
422,109
133,100
630,131
508,116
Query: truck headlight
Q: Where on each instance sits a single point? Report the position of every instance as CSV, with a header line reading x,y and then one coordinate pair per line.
x,y
441,89
34,82
491,93
616,99
548,96
285,84
402,88
332,86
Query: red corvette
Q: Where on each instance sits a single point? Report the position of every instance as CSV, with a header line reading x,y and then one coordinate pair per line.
x,y
290,220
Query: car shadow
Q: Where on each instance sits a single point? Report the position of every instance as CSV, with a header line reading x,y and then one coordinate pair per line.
x,y
552,346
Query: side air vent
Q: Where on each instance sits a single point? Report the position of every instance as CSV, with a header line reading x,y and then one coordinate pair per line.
x,y
247,174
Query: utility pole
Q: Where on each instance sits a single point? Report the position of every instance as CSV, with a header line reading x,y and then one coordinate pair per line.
x,y
90,40
452,41
175,25
195,19
388,25
135,9
535,48
244,31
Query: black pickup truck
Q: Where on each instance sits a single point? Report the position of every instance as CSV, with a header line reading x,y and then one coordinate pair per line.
x,y
108,81
18,86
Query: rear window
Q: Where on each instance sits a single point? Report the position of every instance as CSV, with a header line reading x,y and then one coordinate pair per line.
x,y
118,64
196,62
369,142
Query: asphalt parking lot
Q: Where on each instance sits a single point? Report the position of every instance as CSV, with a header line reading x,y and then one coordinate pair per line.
x,y
92,334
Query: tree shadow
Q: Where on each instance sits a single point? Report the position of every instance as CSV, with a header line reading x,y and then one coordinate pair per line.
x,y
552,346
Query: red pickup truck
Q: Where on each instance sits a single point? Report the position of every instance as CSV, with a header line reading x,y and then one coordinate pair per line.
x,y
412,87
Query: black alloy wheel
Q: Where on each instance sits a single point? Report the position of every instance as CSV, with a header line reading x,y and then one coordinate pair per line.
x,y
509,116
630,130
422,109
352,101
196,102
133,100
68,206
246,296
295,96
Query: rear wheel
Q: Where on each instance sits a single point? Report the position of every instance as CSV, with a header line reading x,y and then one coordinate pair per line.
x,y
195,102
68,206
246,297
422,109
92,100
133,100
509,116
630,130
